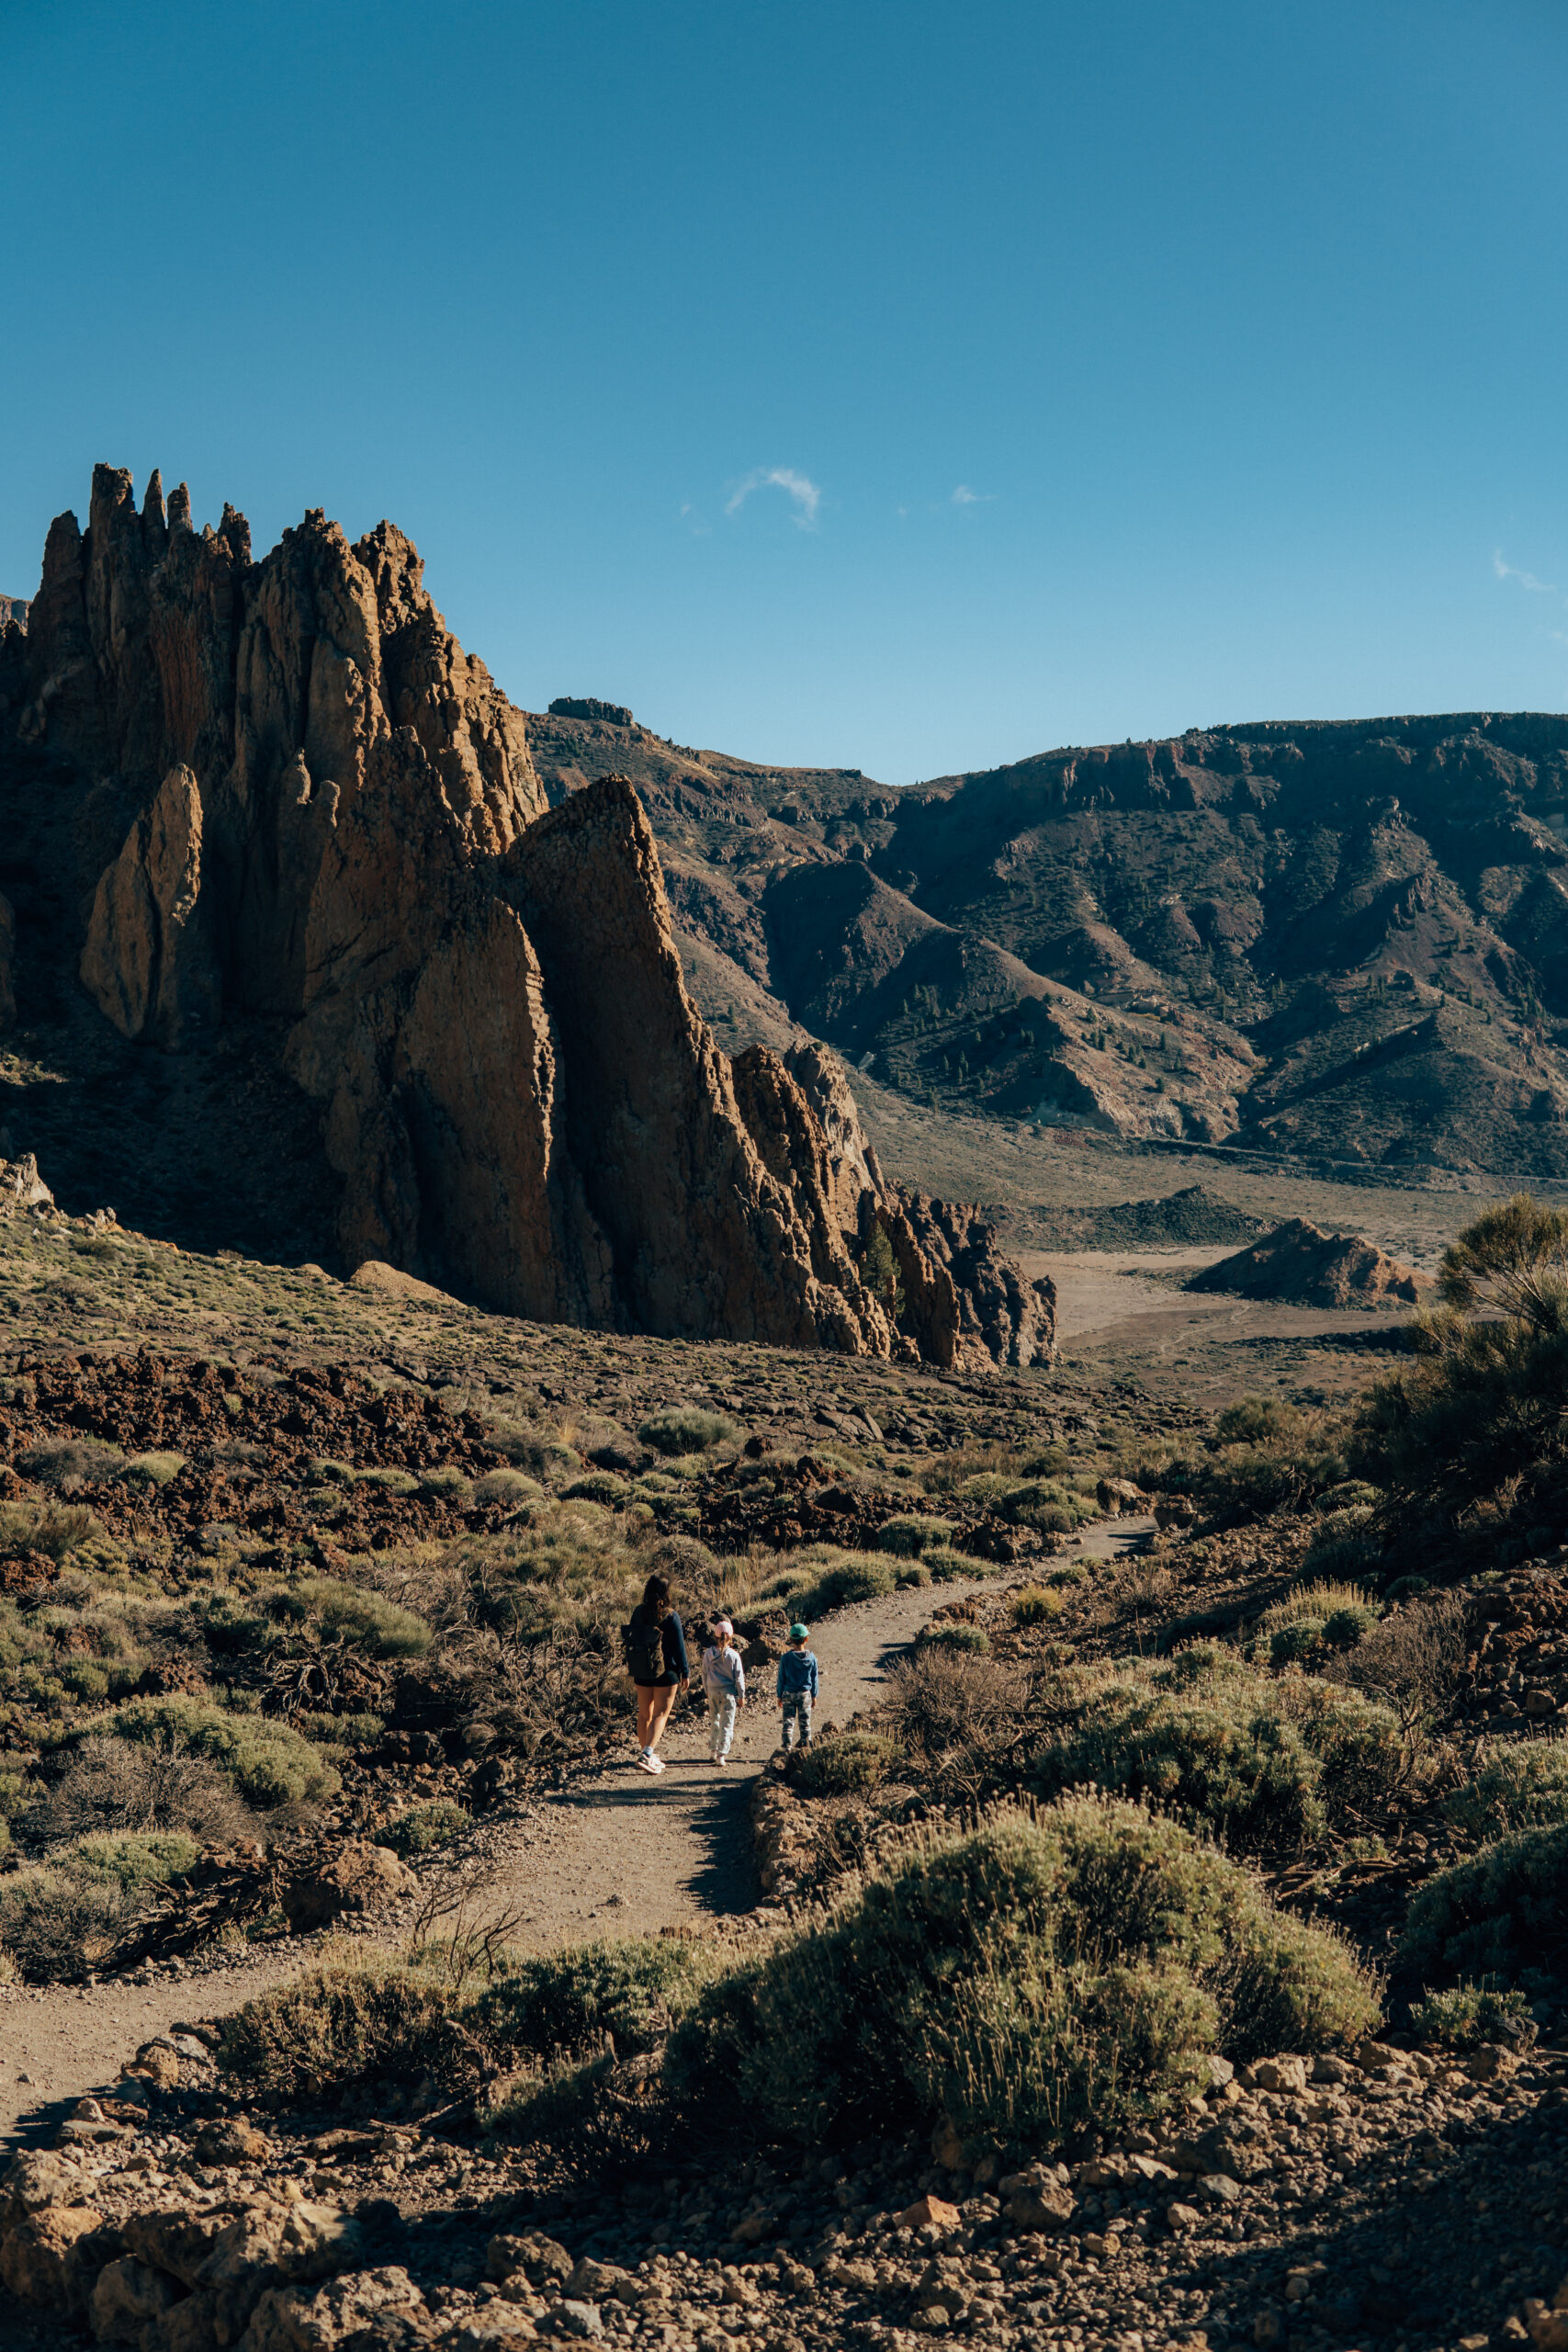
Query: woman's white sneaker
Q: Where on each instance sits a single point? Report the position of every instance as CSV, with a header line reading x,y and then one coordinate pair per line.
x,y
648,1763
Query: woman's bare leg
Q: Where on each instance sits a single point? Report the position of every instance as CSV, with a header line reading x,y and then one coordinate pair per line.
x,y
662,1701
644,1698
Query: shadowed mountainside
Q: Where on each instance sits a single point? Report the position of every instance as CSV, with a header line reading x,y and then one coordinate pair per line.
x,y
1346,941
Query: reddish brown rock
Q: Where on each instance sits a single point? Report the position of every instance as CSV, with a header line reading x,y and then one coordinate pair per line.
x,y
1300,1265
341,824
150,963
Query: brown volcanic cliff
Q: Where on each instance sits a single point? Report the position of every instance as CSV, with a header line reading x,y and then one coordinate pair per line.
x,y
333,827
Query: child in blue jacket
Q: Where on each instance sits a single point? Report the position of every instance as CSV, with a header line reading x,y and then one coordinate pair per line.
x,y
797,1686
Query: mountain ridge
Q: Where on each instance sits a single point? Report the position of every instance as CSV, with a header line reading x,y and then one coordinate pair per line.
x,y
1323,938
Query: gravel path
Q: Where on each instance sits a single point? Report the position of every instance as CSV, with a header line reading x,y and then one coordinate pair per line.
x,y
619,1853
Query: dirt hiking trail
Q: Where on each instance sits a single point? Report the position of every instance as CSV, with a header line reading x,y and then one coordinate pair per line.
x,y
620,1853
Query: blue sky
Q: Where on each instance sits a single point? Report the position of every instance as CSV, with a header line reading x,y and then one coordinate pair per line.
x,y
885,384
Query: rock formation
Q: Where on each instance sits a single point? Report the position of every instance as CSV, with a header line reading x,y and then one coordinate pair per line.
x,y
7,964
1298,1265
338,829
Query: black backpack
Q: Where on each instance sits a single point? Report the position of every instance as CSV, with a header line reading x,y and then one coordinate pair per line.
x,y
643,1643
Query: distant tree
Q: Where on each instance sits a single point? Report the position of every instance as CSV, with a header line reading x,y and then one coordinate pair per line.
x,y
879,1271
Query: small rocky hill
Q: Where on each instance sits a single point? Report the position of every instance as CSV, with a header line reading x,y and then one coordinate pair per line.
x,y
1341,941
1300,1265
282,829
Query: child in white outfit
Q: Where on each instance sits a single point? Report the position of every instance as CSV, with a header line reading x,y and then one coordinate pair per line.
x,y
724,1679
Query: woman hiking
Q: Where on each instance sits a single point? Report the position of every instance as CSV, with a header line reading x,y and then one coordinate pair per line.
x,y
656,1653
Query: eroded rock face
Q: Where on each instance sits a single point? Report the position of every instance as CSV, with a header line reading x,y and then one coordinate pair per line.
x,y
341,827
150,961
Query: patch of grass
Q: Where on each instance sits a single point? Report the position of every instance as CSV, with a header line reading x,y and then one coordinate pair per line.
x,y
333,2031
154,1469
1024,1981
1035,1604
687,1429
1521,1786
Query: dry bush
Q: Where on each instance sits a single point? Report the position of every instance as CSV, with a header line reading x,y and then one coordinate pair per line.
x,y
1412,1658
68,1462
123,1784
961,1714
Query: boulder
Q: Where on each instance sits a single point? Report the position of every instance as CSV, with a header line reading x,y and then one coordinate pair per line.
x,y
21,1186
178,2241
35,2255
380,2308
1297,1264
354,1876
126,2296
1036,2198
274,2246
230,2141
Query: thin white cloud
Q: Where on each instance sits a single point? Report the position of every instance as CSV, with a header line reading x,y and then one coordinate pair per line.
x,y
805,493
965,497
1526,579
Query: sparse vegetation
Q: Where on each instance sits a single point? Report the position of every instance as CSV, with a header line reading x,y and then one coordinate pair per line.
x,y
1051,1970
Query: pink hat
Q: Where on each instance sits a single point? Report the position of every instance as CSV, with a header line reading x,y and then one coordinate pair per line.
x,y
723,1625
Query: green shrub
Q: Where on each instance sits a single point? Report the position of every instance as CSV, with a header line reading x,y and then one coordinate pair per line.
x,y
133,1859
687,1429
600,1487
70,1462
508,1487
1503,1912
154,1469
450,1483
563,2005
58,1919
1270,1767
911,1535
425,1827
971,1638
1519,1787
1026,1980
848,1764
1345,1543
356,1614
1045,1505
1258,1421
345,1731
1034,1605
1311,1621
268,1764
850,1578
57,1529
911,1575
333,2031
948,1567
395,1480
1475,2013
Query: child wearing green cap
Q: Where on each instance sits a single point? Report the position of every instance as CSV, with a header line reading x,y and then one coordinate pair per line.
x,y
797,1688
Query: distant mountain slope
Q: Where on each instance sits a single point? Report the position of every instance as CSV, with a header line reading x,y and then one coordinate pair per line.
x,y
1346,940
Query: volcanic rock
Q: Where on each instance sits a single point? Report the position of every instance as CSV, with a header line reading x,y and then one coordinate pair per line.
x,y
335,822
1300,1265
